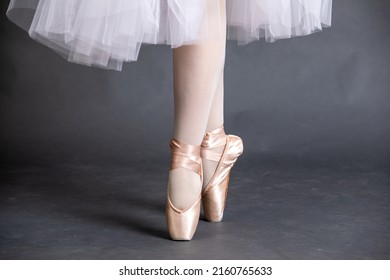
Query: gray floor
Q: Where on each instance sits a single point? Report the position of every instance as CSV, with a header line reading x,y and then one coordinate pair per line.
x,y
277,209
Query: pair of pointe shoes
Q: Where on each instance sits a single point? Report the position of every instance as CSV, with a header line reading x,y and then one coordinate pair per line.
x,y
182,223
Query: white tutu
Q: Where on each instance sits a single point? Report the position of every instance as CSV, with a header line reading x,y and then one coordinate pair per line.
x,y
106,33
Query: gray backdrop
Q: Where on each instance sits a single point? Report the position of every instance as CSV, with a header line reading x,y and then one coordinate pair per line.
x,y
323,97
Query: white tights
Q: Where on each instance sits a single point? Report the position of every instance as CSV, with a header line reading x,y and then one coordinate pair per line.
x,y
198,105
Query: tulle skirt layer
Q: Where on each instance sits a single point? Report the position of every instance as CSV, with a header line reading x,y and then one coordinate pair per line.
x,y
106,33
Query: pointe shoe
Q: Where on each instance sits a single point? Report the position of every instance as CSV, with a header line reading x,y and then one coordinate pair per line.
x,y
182,223
215,193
